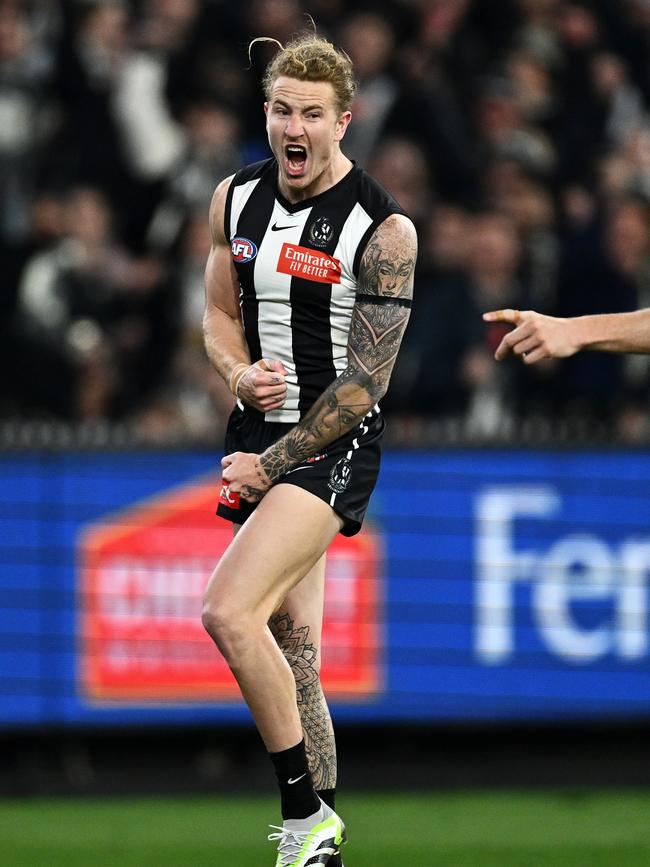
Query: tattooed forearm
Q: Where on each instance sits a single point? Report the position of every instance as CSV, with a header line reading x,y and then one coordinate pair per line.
x,y
314,715
339,408
376,331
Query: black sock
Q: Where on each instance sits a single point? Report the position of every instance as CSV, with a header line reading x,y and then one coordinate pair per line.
x,y
297,794
328,796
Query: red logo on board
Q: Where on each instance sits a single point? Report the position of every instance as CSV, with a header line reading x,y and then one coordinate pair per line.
x,y
309,264
142,575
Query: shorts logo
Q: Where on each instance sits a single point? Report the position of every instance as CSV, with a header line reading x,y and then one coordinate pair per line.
x,y
308,264
340,476
321,232
242,249
228,498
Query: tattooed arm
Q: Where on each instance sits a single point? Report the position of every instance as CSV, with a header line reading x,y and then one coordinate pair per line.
x,y
378,322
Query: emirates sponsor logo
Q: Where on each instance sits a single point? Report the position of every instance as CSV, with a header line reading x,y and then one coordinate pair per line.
x,y
308,264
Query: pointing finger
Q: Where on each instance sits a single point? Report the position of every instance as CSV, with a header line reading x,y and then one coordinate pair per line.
x,y
513,317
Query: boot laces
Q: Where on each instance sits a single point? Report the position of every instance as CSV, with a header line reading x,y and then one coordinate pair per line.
x,y
290,843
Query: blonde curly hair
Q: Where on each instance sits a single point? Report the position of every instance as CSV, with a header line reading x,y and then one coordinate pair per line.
x,y
312,58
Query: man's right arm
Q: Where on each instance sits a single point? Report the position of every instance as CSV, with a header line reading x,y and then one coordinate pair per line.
x,y
260,384
537,336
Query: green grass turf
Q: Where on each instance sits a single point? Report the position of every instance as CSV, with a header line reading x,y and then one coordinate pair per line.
x,y
479,829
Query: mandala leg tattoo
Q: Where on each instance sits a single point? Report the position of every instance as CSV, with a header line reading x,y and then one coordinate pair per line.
x,y
315,717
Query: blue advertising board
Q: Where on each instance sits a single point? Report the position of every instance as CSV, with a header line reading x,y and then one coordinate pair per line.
x,y
513,585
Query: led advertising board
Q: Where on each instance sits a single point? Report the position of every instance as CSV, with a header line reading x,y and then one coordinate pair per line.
x,y
487,585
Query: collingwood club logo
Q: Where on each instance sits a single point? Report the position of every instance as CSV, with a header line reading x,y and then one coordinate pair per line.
x,y
321,232
340,476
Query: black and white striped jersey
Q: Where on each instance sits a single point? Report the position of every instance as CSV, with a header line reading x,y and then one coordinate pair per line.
x,y
297,266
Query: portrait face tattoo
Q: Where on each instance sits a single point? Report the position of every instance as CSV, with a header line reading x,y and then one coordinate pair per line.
x,y
388,271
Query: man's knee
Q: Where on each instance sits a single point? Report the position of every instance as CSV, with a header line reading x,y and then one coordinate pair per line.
x,y
227,625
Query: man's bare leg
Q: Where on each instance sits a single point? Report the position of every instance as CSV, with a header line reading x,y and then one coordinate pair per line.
x,y
279,544
297,628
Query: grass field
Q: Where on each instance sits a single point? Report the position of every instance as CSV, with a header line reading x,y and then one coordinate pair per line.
x,y
484,829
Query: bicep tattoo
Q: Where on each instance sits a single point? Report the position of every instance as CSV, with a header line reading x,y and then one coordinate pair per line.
x,y
384,300
379,319
388,263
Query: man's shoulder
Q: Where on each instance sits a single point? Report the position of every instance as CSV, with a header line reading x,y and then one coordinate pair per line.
x,y
254,171
374,197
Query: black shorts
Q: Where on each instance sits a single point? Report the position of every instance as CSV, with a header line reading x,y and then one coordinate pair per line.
x,y
343,474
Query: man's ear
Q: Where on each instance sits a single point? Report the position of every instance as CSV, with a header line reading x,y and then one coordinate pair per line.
x,y
342,125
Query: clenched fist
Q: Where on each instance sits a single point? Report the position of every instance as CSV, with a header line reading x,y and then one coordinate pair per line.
x,y
261,385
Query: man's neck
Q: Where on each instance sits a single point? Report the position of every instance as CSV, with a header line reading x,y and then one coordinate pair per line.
x,y
335,172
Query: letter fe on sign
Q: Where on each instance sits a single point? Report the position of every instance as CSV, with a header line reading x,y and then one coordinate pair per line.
x,y
578,570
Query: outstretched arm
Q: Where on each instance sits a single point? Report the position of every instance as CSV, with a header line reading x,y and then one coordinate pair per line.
x,y
379,319
537,336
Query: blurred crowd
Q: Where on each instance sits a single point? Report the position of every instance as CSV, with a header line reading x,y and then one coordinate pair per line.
x,y
516,133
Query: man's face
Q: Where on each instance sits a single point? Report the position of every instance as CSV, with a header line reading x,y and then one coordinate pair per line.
x,y
304,128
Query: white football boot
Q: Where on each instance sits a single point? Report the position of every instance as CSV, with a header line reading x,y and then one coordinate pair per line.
x,y
310,841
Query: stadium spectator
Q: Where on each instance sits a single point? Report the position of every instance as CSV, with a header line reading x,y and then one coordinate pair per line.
x,y
87,315
192,402
87,148
26,66
428,378
401,166
369,41
211,151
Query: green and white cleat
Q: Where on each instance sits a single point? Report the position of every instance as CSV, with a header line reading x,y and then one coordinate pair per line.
x,y
311,841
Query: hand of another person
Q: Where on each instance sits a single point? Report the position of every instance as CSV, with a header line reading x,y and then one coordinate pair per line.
x,y
262,385
535,335
244,475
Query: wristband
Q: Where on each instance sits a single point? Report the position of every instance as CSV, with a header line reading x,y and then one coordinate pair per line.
x,y
236,375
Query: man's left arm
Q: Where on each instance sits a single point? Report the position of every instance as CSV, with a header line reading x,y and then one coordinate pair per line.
x,y
379,319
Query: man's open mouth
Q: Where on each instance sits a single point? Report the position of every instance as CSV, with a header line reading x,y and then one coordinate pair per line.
x,y
296,156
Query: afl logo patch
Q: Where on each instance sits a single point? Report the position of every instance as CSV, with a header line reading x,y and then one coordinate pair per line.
x,y
242,249
340,476
321,232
